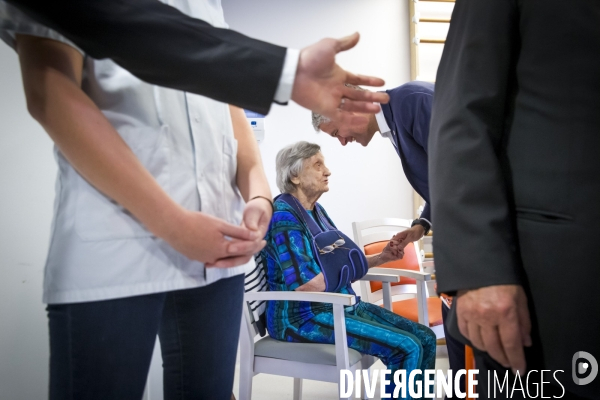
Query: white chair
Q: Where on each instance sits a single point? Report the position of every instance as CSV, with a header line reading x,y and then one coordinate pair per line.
x,y
410,296
321,362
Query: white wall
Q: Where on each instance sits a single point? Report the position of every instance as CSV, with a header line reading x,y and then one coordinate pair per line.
x,y
366,182
27,174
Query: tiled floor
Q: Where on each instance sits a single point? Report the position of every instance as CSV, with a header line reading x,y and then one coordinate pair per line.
x,y
271,387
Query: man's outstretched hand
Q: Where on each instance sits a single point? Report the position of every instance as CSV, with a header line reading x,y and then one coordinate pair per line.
x,y
319,84
496,320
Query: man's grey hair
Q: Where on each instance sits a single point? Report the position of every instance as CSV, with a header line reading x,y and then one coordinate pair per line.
x,y
318,119
289,163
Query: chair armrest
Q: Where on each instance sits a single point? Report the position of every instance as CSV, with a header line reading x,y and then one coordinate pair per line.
x,y
380,277
316,297
418,275
339,321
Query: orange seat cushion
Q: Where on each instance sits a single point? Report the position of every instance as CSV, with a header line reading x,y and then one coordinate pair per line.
x,y
408,309
409,261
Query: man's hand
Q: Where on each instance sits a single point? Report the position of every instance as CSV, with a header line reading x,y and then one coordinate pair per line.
x,y
319,84
408,236
257,216
201,237
496,320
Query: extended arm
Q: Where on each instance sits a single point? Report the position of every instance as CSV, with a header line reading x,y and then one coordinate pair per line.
x,y
51,77
163,46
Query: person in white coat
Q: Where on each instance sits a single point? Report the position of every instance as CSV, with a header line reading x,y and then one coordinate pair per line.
x,y
131,248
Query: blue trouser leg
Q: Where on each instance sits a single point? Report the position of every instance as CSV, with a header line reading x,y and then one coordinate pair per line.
x,y
423,333
398,342
102,349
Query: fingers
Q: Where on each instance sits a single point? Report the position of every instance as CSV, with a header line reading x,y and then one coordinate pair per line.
x,y
510,337
364,95
366,80
237,247
463,326
360,107
237,232
238,259
475,335
493,345
524,320
229,262
347,42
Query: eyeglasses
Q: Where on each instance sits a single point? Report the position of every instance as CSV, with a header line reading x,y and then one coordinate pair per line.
x,y
337,244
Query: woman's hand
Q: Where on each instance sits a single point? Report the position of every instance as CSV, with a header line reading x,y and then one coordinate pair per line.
x,y
391,252
257,216
205,238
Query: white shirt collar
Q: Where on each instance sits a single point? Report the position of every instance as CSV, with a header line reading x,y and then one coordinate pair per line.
x,y
384,129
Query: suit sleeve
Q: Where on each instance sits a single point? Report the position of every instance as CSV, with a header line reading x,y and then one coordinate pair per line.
x,y
475,240
426,213
419,104
160,45
420,132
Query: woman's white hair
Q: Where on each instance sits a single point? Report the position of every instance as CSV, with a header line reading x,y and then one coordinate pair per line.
x,y
289,163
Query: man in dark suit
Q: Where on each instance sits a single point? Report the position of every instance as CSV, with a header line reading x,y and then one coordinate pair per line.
x,y
405,121
515,189
161,45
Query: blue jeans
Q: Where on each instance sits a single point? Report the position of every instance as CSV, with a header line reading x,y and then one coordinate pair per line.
x,y
102,349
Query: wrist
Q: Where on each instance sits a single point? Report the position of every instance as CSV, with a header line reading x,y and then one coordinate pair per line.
x,y
421,225
170,220
266,200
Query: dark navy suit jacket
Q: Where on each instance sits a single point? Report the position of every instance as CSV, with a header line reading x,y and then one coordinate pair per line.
x,y
408,114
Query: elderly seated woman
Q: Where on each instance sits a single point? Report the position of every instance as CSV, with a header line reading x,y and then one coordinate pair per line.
x,y
292,265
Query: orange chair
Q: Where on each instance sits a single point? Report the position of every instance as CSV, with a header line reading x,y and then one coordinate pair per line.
x,y
412,294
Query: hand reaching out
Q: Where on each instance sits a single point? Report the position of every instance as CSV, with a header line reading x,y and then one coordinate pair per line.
x,y
319,84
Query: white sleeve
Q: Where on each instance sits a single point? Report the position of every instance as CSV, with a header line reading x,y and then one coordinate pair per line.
x,y
13,22
288,75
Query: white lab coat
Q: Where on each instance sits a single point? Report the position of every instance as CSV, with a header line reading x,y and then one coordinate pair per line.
x,y
98,251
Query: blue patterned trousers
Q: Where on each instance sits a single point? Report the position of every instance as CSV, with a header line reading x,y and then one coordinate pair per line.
x,y
398,342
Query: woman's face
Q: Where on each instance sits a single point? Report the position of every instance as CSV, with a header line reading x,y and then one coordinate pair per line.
x,y
313,180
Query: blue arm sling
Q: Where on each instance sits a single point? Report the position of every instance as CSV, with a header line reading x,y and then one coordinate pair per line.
x,y
340,259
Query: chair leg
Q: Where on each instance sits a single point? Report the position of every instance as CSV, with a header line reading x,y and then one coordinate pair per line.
x,y
297,389
246,376
363,388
